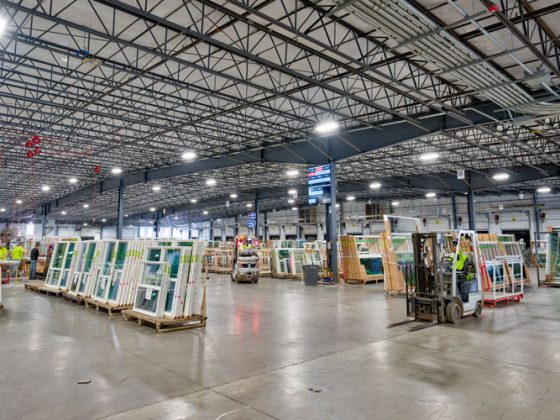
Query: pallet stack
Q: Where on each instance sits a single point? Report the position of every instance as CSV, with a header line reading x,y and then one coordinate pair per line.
x,y
362,258
265,262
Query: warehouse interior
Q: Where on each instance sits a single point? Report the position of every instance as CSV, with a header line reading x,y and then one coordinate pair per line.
x,y
279,209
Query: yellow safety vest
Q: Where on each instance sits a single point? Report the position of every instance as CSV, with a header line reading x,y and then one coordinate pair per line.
x,y
461,261
3,254
17,253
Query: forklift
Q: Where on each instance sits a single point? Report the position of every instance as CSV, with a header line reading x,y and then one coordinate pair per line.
x,y
448,282
245,260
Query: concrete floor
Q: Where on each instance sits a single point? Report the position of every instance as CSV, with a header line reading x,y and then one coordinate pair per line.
x,y
266,346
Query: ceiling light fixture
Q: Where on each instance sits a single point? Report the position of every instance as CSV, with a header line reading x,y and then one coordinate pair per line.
x,y
19,201
188,155
249,205
45,188
500,176
544,190
63,212
156,188
2,210
103,220
72,180
205,212
429,156
152,209
85,224
375,185
294,208
210,182
85,206
291,201
430,195
395,203
350,198
194,200
292,172
233,195
326,127
116,171
292,191
3,25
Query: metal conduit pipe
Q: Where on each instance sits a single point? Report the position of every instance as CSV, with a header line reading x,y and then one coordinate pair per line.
x,y
441,55
392,19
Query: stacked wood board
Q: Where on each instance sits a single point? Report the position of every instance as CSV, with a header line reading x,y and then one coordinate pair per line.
x,y
398,261
362,258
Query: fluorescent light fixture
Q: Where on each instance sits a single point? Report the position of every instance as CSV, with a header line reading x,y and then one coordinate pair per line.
x,y
375,185
85,206
350,198
19,201
63,212
2,210
291,201
194,200
292,172
103,220
3,24
544,190
188,155
294,208
152,209
85,224
210,182
326,127
45,188
429,156
394,203
156,188
430,195
500,176
116,171
292,191
205,212
249,205
72,180
233,195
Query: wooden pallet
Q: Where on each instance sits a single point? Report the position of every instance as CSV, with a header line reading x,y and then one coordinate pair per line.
x,y
166,324
38,286
111,308
372,279
73,298
288,276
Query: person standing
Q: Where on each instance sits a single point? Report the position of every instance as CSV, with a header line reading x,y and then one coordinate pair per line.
x,y
3,252
33,258
17,252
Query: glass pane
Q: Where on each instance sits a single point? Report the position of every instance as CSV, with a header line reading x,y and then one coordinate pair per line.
x,y
101,286
70,255
108,258
165,243
146,299
121,255
153,274
64,278
170,293
58,255
89,257
115,283
154,254
172,259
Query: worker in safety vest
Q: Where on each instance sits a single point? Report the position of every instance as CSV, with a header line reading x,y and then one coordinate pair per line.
x,y
461,264
3,252
17,252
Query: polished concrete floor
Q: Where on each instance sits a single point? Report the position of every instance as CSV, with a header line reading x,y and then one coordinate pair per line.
x,y
278,350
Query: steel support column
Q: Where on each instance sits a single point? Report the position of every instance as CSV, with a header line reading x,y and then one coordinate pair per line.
x,y
157,224
257,216
265,226
454,211
537,213
470,210
211,238
333,226
44,218
120,209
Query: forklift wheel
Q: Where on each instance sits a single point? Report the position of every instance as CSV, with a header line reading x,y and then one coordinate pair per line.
x,y
453,312
478,310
